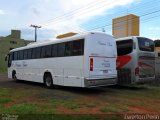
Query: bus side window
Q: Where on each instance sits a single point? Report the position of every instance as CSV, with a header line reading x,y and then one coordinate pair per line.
x,y
48,51
33,53
78,47
38,52
18,55
68,48
21,55
29,53
61,49
54,50
42,51
15,56
25,54
10,59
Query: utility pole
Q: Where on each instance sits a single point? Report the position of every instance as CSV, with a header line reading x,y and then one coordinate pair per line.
x,y
35,26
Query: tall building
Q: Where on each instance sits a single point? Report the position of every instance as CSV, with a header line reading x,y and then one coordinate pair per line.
x,y
8,43
125,26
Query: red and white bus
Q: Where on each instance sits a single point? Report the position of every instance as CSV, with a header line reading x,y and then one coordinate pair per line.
x,y
136,60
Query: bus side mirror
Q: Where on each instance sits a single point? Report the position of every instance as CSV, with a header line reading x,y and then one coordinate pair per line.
x,y
6,58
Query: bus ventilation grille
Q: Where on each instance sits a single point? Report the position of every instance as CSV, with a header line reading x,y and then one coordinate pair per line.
x,y
124,76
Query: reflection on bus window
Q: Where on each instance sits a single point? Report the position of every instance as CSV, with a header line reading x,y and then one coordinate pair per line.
x,y
145,44
124,47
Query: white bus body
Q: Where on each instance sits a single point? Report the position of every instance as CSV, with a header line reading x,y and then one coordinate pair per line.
x,y
157,66
86,60
136,60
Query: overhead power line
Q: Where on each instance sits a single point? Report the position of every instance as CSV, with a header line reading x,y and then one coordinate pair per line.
x,y
85,11
81,11
127,19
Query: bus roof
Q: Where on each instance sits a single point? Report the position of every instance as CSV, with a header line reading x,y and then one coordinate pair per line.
x,y
48,42
130,37
126,38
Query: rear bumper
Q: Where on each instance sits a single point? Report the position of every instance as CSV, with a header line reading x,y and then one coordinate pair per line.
x,y
144,80
100,82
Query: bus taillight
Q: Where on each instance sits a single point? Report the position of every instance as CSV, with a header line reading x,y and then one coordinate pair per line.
x,y
117,64
91,64
137,71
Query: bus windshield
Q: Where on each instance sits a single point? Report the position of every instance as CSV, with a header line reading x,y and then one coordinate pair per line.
x,y
124,47
145,44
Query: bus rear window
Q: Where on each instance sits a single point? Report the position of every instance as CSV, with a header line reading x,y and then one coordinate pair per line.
x,y
145,44
124,47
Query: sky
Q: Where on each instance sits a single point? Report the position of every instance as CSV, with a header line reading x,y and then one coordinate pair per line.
x,y
61,16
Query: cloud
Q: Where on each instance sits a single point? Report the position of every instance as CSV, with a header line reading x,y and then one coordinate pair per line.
x,y
2,12
77,12
67,15
154,28
35,11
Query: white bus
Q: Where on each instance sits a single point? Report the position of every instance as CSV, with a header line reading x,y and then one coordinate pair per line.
x,y
86,60
157,64
136,60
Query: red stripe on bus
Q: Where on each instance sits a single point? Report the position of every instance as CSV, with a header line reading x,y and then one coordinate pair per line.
x,y
141,64
123,60
102,57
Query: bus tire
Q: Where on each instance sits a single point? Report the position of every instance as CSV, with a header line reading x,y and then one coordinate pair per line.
x,y
48,81
14,77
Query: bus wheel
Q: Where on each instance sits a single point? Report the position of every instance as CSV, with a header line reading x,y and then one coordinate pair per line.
x,y
48,81
14,77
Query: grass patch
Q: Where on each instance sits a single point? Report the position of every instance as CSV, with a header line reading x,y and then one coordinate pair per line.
x,y
45,108
90,105
4,92
70,104
21,109
67,117
114,109
56,102
110,109
5,100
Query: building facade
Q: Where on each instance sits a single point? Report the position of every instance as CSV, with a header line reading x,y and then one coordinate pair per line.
x,y
8,43
125,26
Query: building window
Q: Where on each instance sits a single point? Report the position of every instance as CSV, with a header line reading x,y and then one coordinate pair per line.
x,y
13,42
